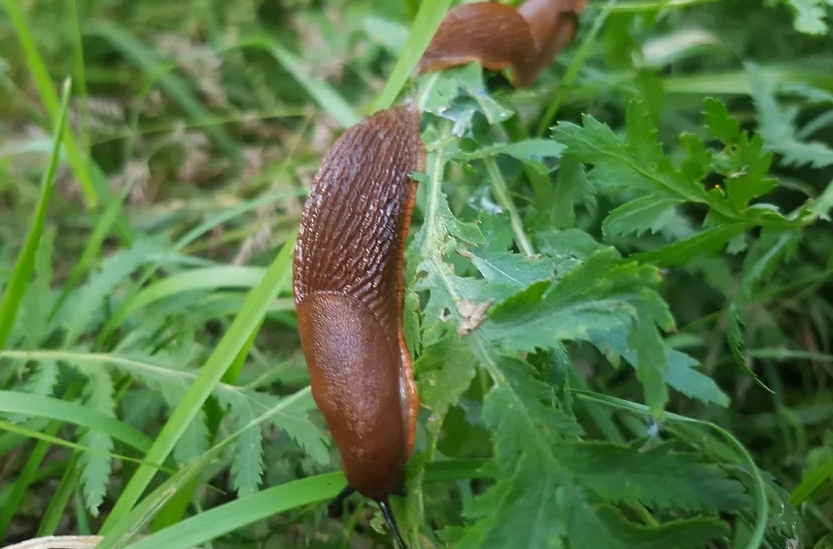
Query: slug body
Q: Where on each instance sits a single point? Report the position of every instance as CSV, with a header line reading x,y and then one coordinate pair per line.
x,y
348,285
500,37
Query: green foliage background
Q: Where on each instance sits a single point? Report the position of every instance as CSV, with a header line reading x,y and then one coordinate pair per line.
x,y
618,280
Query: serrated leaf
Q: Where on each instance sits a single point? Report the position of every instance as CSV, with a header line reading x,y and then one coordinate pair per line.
x,y
193,443
596,526
761,261
525,514
524,506
574,244
719,122
681,374
247,463
778,127
571,188
708,242
456,94
595,296
600,296
651,212
86,303
161,372
33,320
638,166
445,371
96,467
810,15
512,272
43,379
658,477
651,364
441,233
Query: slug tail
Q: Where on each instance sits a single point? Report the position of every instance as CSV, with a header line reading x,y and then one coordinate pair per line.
x,y
334,509
384,505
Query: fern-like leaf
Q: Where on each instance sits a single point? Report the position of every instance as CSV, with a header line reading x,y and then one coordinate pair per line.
x,y
658,477
778,127
96,467
595,526
85,304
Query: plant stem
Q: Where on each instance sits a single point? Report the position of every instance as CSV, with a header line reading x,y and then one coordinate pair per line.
x,y
503,198
648,5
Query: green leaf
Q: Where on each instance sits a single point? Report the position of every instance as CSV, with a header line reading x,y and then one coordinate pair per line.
x,y
83,306
595,526
571,188
719,122
778,126
809,15
247,464
681,375
456,94
603,295
30,405
43,379
33,323
546,314
522,508
638,166
650,212
657,477
508,273
445,370
96,467
441,234
708,242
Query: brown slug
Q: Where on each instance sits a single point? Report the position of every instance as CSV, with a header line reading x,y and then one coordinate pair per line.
x,y
500,37
349,255
348,285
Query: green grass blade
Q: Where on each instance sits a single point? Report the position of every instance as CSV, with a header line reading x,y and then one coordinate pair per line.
x,y
79,74
25,264
254,309
25,479
27,404
211,524
226,518
196,279
60,499
43,437
426,23
50,100
812,481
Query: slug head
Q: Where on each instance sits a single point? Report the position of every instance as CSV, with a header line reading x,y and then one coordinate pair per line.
x,y
354,375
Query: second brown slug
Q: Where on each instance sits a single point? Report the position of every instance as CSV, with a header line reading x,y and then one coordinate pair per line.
x,y
500,37
348,284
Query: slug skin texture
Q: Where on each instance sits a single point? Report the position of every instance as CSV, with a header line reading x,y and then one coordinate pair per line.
x,y
348,284
500,37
